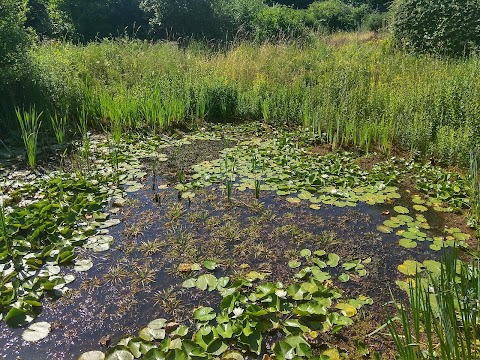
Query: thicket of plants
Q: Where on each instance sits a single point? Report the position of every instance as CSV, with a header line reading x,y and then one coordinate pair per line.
x,y
362,94
450,27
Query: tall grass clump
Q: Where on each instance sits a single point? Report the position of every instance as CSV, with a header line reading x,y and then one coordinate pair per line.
x,y
443,319
30,125
59,125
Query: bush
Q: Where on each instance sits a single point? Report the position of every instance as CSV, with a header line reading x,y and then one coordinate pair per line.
x,y
236,16
374,21
38,17
13,39
280,22
335,15
448,27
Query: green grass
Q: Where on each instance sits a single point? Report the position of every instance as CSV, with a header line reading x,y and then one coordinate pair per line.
x,y
30,124
356,93
443,317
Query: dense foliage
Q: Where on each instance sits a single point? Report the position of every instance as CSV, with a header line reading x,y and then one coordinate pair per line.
x,y
202,19
101,18
13,38
449,27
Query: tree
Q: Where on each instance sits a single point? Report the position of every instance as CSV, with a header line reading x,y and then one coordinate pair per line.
x,y
182,18
296,4
13,39
38,17
447,27
103,18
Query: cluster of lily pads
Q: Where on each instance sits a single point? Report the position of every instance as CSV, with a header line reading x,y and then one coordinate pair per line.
x,y
293,172
48,216
412,230
276,320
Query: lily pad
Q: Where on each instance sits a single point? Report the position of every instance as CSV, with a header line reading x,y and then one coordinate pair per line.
x,y
420,208
407,243
401,210
83,265
36,332
384,229
92,355
293,264
410,267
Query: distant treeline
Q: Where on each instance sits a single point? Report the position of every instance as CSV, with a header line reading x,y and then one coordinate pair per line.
x,y
85,20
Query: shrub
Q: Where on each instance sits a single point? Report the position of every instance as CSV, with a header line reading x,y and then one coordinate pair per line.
x,y
448,27
298,4
280,22
374,21
335,15
236,16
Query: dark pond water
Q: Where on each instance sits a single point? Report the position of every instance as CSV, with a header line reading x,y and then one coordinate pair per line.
x,y
137,279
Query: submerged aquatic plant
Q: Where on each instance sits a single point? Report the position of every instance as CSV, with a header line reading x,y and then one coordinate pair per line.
x,y
30,125
443,319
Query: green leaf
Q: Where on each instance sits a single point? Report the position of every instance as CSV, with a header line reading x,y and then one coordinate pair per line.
x,y
401,210
207,280
119,353
204,314
293,264
305,253
83,265
407,243
189,283
210,265
333,260
384,229
410,267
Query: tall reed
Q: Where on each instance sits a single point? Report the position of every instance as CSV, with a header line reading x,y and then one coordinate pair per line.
x,y
30,124
59,125
443,320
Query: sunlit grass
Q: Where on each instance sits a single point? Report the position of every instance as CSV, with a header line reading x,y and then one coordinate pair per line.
x,y
353,89
30,125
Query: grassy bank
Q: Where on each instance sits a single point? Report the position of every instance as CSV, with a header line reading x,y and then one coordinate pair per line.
x,y
352,91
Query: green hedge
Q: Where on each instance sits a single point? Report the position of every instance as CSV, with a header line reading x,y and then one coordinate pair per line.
x,y
447,27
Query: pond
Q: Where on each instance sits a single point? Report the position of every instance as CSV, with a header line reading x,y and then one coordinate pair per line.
x,y
179,222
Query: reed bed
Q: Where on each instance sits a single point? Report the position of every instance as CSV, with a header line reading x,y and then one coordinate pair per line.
x,y
361,93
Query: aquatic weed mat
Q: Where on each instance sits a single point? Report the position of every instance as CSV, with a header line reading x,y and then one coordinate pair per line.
x,y
323,234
